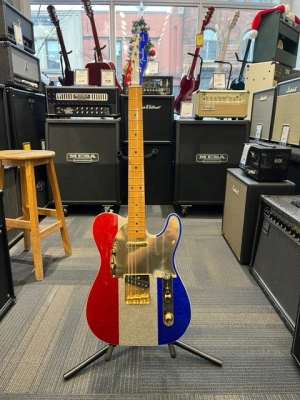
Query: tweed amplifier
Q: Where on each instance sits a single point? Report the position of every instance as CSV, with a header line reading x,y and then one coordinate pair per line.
x,y
265,162
221,103
10,20
19,68
263,75
262,116
156,85
241,206
275,261
286,126
88,101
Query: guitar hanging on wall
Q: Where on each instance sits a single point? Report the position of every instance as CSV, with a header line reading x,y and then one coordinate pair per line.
x,y
239,83
188,83
221,58
68,76
137,298
99,64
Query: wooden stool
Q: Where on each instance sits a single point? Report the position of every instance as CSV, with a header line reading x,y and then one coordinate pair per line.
x,y
26,160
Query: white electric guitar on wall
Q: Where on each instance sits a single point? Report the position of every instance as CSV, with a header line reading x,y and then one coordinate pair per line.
x,y
221,58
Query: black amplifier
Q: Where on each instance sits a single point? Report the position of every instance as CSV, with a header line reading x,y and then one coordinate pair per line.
x,y
155,85
84,101
9,17
265,162
19,68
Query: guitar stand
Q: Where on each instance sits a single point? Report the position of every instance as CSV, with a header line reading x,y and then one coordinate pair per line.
x,y
153,154
108,349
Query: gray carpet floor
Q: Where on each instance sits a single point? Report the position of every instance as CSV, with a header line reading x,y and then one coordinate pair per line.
x,y
45,334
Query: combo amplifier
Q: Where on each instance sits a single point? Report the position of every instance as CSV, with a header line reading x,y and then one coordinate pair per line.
x,y
277,40
275,261
221,103
265,162
204,150
286,126
156,85
19,68
240,210
295,351
10,20
86,159
158,117
262,116
87,101
5,142
7,295
262,75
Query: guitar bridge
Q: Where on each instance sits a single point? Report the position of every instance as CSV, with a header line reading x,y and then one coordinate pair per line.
x,y
137,289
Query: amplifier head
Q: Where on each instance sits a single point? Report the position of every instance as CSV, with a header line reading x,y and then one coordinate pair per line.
x,y
265,162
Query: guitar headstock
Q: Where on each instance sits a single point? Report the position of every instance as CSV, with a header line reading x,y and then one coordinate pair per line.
x,y
138,60
53,16
87,5
234,19
206,20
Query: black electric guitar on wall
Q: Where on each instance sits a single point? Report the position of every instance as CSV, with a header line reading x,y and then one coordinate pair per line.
x,y
68,77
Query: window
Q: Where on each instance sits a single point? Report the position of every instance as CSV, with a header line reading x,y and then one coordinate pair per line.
x,y
53,57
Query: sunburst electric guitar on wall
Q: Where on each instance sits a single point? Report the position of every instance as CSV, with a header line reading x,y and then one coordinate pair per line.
x,y
95,68
137,297
189,83
68,77
221,58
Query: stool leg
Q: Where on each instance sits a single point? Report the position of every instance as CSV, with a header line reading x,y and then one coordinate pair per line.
x,y
58,206
25,209
34,221
1,175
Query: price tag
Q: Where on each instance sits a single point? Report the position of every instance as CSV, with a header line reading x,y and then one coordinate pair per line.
x,y
219,81
152,67
244,155
186,109
107,77
18,36
81,77
199,40
258,131
284,134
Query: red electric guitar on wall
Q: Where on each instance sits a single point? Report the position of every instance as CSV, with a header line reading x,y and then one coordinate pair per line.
x,y
99,64
188,83
137,298
68,78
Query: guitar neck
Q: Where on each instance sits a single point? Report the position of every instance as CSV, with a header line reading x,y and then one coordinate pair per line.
x,y
245,59
96,39
223,52
136,179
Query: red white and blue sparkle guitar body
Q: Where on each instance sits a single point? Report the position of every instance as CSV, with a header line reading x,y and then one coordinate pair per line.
x,y
137,297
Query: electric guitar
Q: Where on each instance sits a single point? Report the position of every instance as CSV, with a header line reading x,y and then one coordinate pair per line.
x,y
188,83
221,58
99,64
239,83
68,78
137,298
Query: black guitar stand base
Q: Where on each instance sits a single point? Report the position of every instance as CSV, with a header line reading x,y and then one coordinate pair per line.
x,y
108,349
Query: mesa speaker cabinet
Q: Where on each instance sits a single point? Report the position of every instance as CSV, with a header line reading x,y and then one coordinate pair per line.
x,y
287,117
158,116
19,68
240,210
86,159
9,17
263,109
295,351
7,295
204,151
27,115
5,142
158,166
275,261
